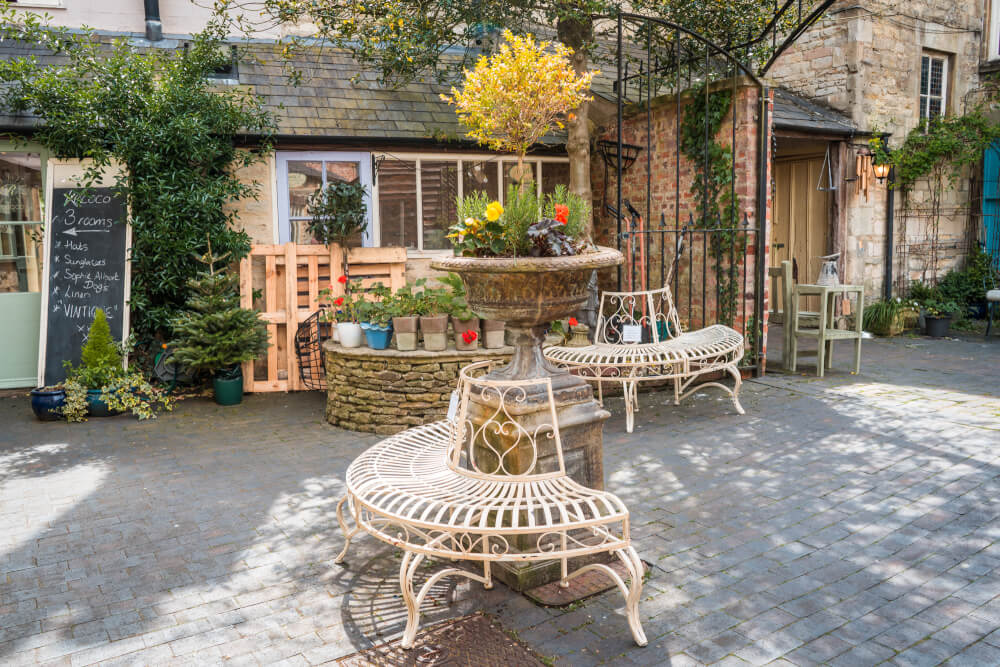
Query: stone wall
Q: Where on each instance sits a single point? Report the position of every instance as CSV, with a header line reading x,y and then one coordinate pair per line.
x,y
388,391
863,59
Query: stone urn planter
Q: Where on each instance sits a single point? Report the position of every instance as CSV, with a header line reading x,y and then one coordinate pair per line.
x,y
528,293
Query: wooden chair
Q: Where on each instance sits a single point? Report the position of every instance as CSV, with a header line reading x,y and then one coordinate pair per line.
x,y
782,288
474,490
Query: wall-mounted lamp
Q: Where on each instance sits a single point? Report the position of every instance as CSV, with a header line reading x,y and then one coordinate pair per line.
x,y
881,163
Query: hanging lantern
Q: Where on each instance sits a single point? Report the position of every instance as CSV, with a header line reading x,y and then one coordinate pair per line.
x,y
881,170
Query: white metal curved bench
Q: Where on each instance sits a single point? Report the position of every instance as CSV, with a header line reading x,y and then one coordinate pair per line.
x,y
670,354
451,490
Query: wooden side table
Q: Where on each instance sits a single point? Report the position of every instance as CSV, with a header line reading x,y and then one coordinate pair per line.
x,y
821,328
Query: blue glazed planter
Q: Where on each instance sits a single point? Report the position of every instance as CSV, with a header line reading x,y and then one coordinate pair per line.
x,y
45,402
96,407
378,337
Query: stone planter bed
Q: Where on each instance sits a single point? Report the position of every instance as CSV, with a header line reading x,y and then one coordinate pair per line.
x,y
388,391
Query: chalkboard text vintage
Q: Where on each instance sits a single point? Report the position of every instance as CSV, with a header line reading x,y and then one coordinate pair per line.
x,y
87,244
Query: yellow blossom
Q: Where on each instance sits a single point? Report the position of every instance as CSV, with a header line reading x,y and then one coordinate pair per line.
x,y
494,211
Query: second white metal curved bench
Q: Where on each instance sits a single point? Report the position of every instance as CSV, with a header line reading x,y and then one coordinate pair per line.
x,y
473,489
618,354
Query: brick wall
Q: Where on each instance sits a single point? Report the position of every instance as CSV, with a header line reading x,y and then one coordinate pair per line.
x,y
863,59
670,194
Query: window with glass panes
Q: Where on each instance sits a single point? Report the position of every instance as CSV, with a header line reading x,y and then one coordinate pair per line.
x,y
933,85
416,193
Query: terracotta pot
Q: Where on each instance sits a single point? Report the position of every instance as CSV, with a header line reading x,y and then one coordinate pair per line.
x,y
435,332
528,293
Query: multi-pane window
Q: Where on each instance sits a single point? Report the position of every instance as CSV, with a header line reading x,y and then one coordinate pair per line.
x,y
416,194
933,86
20,222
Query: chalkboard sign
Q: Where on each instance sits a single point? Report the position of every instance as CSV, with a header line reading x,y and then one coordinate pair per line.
x,y
86,248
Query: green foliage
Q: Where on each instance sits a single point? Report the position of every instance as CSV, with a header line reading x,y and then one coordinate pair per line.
x,y
921,292
99,353
75,407
155,112
215,333
943,146
133,393
941,308
711,162
967,287
880,316
408,301
375,309
340,308
453,300
338,212
579,210
521,211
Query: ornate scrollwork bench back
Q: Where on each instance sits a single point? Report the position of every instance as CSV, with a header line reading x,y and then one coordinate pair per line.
x,y
479,487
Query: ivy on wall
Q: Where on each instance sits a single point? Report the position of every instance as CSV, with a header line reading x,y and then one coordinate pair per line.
x,y
716,209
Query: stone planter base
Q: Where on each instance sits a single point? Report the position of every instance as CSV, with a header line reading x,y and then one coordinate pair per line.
x,y
388,391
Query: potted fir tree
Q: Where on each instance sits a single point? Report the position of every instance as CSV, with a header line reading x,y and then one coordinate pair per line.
x,y
215,334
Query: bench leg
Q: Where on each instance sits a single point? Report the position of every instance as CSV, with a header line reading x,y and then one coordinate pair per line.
x,y
675,370
406,571
737,384
631,394
634,565
348,534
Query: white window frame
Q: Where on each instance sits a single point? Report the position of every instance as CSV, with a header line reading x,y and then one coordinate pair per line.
x,y
993,33
39,4
459,158
364,161
931,56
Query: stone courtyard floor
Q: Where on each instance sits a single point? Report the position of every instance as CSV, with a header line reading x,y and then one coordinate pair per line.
x,y
849,520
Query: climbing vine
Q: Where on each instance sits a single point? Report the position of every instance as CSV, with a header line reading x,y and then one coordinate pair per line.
x,y
938,151
711,187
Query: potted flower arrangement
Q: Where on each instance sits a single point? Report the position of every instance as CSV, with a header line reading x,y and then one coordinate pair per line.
x,y
343,310
376,317
215,334
937,317
516,267
464,322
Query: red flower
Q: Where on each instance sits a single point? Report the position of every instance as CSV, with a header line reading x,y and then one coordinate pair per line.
x,y
469,336
573,322
562,213
342,280
339,301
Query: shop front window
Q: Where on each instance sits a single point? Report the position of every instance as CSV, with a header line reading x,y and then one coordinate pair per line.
x,y
21,245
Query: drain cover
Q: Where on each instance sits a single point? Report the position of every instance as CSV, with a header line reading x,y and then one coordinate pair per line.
x,y
470,640
580,587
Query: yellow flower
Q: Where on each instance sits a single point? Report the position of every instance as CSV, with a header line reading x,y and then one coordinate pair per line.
x,y
494,211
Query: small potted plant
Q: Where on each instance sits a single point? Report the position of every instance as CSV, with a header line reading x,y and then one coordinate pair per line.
x,y
937,317
376,318
434,316
406,306
343,310
215,334
47,402
100,365
464,322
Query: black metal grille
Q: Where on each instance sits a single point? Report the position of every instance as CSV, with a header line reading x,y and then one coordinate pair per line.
x,y
309,339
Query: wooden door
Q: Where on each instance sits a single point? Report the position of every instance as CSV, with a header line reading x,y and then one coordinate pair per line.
x,y
801,217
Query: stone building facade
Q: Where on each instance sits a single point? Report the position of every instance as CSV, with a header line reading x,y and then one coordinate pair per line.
x,y
876,62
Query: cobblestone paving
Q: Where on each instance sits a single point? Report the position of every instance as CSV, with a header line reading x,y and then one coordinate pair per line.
x,y
850,521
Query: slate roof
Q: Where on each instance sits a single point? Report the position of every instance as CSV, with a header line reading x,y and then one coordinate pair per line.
x,y
792,112
336,99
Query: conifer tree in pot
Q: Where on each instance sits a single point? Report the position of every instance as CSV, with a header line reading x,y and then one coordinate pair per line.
x,y
215,334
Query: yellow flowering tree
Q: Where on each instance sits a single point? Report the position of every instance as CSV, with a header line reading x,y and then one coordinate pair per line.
x,y
512,99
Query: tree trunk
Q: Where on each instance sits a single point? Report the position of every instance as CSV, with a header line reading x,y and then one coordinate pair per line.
x,y
577,33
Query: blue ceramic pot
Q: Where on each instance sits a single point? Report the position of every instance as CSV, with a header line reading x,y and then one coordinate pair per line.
x,y
96,407
378,337
45,402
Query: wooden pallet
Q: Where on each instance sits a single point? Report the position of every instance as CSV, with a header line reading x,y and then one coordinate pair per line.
x,y
286,298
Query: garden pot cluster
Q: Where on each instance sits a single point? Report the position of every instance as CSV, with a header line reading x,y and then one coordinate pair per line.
x,y
416,314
